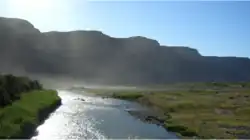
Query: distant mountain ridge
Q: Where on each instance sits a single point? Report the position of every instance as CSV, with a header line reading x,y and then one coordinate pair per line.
x,y
96,57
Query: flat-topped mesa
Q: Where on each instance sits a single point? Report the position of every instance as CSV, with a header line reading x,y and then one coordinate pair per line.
x,y
183,50
18,26
142,38
97,57
141,41
77,32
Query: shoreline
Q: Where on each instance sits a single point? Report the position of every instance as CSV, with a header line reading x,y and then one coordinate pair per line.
x,y
153,115
35,113
192,114
160,119
29,129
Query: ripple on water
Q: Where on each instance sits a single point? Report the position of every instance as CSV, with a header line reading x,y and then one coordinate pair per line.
x,y
96,118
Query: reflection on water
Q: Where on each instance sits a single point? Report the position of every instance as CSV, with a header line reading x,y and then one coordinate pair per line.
x,y
96,118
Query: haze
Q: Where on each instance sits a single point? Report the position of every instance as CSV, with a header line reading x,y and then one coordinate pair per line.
x,y
214,28
124,69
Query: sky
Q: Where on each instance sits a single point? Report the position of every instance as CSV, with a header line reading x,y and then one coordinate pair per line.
x,y
214,28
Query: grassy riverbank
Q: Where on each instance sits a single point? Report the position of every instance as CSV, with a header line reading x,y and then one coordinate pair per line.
x,y
221,112
20,118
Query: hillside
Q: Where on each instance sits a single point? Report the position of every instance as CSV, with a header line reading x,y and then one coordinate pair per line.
x,y
99,58
24,104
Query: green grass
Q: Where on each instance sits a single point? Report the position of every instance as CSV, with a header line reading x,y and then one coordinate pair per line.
x,y
127,95
25,111
204,113
199,113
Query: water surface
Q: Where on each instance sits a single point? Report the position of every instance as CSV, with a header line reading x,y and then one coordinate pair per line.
x,y
96,118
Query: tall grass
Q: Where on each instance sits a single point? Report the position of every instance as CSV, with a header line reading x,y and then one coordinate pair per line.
x,y
25,111
201,113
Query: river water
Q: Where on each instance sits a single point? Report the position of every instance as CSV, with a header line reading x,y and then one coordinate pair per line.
x,y
96,118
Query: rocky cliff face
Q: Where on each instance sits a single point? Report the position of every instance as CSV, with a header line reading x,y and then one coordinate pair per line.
x,y
96,57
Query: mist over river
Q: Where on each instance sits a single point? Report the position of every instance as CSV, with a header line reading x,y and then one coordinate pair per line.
x,y
96,118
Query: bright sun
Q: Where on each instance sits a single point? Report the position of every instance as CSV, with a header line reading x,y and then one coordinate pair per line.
x,y
29,5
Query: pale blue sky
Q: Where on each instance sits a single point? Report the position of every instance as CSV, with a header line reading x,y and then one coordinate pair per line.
x,y
214,28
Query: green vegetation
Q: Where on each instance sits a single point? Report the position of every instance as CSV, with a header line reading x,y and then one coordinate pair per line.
x,y
127,95
25,112
23,105
11,88
223,112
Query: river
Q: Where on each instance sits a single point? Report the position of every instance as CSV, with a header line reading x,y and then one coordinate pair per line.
x,y
96,118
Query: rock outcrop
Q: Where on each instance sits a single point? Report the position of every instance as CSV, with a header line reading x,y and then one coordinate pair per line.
x,y
99,58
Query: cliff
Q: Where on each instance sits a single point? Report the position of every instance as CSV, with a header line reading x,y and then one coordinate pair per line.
x,y
99,58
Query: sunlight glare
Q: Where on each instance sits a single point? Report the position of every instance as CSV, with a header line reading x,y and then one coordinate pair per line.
x,y
31,4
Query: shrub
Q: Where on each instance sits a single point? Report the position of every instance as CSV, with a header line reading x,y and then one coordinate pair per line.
x,y
11,87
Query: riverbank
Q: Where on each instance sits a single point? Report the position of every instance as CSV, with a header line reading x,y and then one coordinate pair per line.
x,y
199,113
20,119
